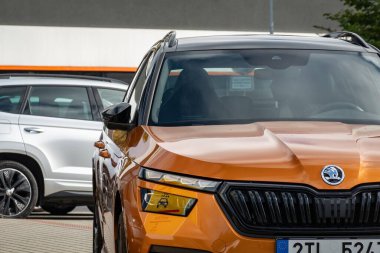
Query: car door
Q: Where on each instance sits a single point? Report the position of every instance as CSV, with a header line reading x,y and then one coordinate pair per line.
x,y
59,130
11,99
114,140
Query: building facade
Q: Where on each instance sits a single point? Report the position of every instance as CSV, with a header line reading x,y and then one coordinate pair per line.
x,y
111,36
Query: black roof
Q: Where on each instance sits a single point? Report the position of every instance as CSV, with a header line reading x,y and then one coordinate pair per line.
x,y
267,41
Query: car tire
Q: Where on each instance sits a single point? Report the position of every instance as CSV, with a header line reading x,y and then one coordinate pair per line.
x,y
121,245
96,233
18,190
58,209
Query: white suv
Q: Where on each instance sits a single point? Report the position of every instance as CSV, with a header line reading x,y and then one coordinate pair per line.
x,y
48,125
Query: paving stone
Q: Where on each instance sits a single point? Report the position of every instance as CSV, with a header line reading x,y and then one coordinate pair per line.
x,y
46,234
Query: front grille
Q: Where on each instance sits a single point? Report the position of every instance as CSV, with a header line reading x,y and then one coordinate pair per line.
x,y
275,210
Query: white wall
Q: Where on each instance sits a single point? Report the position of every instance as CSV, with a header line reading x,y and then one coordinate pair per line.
x,y
72,47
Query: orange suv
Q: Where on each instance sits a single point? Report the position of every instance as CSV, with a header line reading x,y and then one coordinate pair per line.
x,y
244,144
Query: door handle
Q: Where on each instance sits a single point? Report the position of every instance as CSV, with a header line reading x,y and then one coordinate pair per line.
x,y
33,130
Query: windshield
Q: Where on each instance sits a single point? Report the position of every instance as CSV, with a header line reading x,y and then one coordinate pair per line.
x,y
243,86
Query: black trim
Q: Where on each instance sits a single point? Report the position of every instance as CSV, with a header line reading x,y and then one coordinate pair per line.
x,y
286,231
151,88
70,197
142,106
98,98
91,102
25,100
95,109
344,35
166,249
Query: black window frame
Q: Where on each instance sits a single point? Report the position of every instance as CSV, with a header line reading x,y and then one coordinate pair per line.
x,y
148,73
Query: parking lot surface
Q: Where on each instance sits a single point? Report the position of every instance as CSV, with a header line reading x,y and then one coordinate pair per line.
x,y
44,233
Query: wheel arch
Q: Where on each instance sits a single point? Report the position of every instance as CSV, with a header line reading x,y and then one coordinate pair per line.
x,y
34,168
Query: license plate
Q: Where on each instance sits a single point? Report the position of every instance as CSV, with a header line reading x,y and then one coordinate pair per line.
x,y
328,246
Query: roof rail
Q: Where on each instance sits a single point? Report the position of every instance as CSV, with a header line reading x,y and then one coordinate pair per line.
x,y
170,38
350,37
378,50
95,78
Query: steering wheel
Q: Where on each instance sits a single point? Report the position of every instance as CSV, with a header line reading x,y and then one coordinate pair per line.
x,y
339,105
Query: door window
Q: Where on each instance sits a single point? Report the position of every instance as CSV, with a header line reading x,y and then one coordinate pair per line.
x,y
139,83
110,97
11,98
60,102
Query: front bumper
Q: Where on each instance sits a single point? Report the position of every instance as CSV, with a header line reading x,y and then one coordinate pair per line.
x,y
205,229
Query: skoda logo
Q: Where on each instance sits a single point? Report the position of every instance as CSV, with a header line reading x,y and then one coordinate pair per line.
x,y
332,175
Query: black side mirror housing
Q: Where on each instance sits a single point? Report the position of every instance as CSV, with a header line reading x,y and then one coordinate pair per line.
x,y
118,117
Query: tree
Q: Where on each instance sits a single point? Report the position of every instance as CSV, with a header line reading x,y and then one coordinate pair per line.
x,y
361,17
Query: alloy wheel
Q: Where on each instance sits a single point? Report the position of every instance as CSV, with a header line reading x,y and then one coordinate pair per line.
x,y
15,192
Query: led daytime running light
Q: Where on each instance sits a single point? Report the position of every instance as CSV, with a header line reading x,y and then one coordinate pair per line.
x,y
177,180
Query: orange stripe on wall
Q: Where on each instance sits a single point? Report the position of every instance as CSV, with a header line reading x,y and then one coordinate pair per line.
x,y
67,68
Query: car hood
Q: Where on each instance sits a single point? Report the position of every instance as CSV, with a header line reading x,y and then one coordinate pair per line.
x,y
287,152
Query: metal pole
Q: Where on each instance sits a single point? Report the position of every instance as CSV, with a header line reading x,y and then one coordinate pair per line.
x,y
271,18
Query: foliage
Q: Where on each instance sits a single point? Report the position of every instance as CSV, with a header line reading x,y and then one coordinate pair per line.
x,y
361,17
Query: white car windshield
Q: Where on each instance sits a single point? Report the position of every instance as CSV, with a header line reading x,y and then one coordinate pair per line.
x,y
244,86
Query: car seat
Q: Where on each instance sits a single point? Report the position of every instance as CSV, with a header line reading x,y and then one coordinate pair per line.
x,y
192,98
6,105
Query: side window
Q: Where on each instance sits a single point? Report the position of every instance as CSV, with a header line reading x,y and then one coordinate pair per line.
x,y
11,98
59,102
109,97
139,83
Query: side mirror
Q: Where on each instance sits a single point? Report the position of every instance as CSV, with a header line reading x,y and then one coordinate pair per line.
x,y
118,116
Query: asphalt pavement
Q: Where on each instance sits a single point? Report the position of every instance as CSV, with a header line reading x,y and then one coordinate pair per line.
x,y
45,233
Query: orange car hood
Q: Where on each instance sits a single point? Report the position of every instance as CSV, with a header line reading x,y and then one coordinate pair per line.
x,y
292,152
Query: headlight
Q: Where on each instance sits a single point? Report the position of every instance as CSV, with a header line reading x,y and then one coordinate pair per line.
x,y
166,203
177,180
